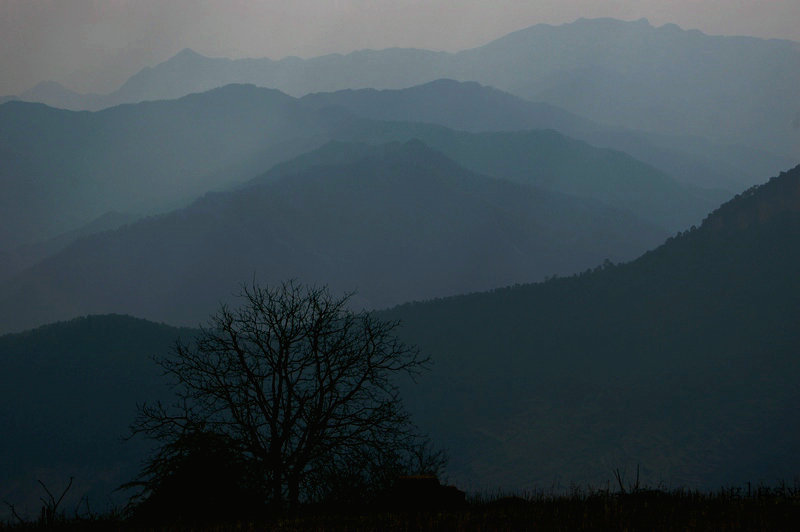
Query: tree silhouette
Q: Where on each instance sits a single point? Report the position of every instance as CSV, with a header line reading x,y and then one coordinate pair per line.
x,y
301,386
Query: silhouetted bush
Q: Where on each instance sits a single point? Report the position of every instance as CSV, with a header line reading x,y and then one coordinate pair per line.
x,y
201,477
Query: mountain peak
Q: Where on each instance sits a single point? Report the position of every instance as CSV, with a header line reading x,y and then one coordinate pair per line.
x,y
239,93
186,58
47,85
47,89
610,22
188,53
447,83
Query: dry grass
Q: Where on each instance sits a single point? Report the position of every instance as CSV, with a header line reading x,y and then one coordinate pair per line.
x,y
765,509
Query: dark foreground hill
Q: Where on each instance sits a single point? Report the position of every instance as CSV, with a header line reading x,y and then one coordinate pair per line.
x,y
684,362
396,223
69,393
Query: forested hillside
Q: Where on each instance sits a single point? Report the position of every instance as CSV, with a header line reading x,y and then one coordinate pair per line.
x,y
683,361
68,395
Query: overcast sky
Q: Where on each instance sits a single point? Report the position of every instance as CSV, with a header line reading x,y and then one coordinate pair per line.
x,y
97,44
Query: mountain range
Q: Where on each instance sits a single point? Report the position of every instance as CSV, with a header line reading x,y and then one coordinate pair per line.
x,y
469,106
682,363
731,90
543,215
62,170
395,222
549,160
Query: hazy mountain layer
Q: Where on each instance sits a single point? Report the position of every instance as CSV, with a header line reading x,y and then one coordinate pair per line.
x,y
728,89
56,95
549,160
14,261
401,222
739,90
684,362
62,169
472,107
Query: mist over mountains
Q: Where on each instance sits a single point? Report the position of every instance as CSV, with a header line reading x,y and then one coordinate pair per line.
x,y
469,106
549,160
64,169
665,80
563,220
396,223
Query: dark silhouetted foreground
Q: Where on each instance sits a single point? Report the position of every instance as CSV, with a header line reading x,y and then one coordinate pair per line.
x,y
730,509
287,399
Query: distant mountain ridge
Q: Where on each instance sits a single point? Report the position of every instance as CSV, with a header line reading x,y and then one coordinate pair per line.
x,y
732,90
61,169
15,260
56,95
549,160
395,222
461,105
472,107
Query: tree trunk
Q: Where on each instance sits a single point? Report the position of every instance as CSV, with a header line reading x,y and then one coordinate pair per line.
x,y
294,493
277,491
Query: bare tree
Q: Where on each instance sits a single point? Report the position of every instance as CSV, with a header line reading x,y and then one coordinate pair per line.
x,y
297,381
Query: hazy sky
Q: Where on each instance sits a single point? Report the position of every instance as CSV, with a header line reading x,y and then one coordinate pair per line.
x,y
97,44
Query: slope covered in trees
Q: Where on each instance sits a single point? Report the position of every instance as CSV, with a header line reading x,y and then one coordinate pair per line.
x,y
684,361
69,393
